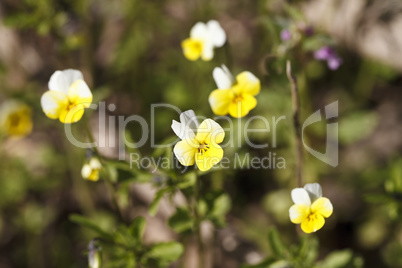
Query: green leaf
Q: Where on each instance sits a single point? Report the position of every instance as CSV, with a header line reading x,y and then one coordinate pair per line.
x,y
277,247
341,259
219,207
137,228
268,263
307,252
222,205
188,180
166,252
181,221
90,225
153,208
356,126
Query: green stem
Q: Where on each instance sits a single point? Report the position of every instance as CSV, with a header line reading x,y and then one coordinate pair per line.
x,y
198,221
296,123
108,182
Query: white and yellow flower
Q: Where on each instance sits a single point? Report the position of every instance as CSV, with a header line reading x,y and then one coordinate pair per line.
x,y
67,97
199,142
310,207
90,170
15,119
204,37
234,97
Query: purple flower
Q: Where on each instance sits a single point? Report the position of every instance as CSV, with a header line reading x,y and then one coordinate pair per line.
x,y
328,54
309,31
323,53
334,62
286,35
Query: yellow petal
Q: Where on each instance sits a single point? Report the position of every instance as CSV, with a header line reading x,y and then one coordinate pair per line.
x,y
89,173
322,206
207,159
298,213
79,93
248,83
53,102
192,48
242,107
312,223
185,151
72,114
220,100
210,132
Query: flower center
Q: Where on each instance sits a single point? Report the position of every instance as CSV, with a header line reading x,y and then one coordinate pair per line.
x,y
70,106
238,98
203,148
14,119
312,217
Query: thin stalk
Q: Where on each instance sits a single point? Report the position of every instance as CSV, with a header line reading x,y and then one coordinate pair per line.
x,y
198,222
296,122
107,180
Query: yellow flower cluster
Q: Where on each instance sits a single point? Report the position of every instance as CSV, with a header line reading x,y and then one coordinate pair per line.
x,y
69,95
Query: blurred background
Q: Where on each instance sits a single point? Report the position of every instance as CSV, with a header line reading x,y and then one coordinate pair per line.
x,y
130,55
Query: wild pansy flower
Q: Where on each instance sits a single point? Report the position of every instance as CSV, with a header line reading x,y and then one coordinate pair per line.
x,y
328,54
67,97
310,207
94,255
15,119
199,142
234,97
204,37
90,170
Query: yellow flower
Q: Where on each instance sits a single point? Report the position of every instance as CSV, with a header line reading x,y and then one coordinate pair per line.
x,y
234,97
199,142
67,97
310,207
90,170
15,119
203,39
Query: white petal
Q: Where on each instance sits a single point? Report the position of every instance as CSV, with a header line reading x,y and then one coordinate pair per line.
x,y
86,171
216,34
188,125
199,31
300,197
207,51
94,163
62,80
79,92
314,190
189,119
53,102
223,78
